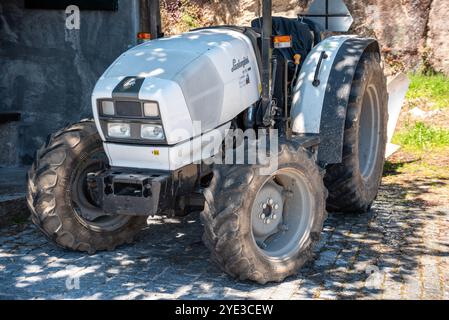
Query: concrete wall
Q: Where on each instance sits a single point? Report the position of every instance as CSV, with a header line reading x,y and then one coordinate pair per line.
x,y
47,72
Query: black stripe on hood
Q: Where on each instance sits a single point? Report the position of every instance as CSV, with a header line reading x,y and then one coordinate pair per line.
x,y
128,88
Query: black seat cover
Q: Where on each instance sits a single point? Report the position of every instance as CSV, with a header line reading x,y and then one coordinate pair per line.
x,y
300,30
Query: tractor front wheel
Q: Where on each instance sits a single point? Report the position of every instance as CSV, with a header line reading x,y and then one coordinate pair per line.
x,y
62,205
263,227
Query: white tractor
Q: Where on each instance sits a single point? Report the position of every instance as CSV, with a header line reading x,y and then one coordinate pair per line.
x,y
164,109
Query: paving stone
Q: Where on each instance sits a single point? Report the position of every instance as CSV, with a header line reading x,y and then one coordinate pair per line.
x,y
408,249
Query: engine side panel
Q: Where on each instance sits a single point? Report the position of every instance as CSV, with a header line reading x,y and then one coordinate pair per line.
x,y
203,89
223,82
321,109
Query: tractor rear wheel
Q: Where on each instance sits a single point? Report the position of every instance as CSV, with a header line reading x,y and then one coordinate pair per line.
x,y
353,184
262,228
62,206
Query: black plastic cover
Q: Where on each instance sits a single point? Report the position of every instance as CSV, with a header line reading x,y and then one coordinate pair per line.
x,y
300,30
110,5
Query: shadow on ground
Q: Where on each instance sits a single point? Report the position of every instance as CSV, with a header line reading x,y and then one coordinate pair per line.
x,y
386,253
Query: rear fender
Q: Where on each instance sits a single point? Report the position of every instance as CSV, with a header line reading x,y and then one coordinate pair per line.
x,y
320,98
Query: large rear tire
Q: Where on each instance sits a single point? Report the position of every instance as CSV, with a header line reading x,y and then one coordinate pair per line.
x,y
58,197
263,228
353,184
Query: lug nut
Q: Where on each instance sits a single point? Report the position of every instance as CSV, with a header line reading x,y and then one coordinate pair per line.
x,y
262,216
267,221
276,206
264,206
270,201
274,217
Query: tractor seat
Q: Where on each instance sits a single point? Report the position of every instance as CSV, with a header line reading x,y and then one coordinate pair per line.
x,y
305,35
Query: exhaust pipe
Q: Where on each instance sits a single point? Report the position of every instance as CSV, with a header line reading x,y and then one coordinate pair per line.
x,y
267,31
150,18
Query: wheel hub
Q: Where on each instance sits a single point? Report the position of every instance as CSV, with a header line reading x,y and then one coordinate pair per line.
x,y
267,216
282,214
269,210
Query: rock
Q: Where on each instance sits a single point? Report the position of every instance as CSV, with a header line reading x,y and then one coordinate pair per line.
x,y
400,27
412,33
418,113
438,36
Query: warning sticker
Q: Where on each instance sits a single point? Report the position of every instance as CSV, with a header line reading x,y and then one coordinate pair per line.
x,y
244,80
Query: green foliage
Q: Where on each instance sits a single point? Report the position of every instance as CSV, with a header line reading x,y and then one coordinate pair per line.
x,y
189,20
434,88
180,15
421,136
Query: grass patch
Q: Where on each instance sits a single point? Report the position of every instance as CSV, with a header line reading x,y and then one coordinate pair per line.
x,y
434,88
420,136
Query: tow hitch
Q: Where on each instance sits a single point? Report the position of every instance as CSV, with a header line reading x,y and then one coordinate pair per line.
x,y
136,194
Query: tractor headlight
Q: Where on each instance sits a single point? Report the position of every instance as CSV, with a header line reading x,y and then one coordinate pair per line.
x,y
107,108
119,130
152,132
151,109
131,121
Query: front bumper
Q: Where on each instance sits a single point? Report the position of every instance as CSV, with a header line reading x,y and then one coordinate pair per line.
x,y
139,192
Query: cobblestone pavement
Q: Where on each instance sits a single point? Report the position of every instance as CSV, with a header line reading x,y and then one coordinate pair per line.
x,y
398,250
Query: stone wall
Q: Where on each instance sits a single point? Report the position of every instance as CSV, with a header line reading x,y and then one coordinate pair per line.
x,y
438,36
413,33
47,72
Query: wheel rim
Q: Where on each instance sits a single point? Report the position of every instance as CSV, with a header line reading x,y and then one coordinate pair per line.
x,y
282,214
85,203
369,133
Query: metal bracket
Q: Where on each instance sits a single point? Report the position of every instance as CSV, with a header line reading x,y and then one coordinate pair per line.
x,y
331,15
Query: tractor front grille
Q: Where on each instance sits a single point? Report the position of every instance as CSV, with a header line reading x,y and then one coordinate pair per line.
x,y
132,109
130,112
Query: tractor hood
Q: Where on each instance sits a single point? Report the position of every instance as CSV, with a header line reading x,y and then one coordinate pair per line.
x,y
207,76
164,58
